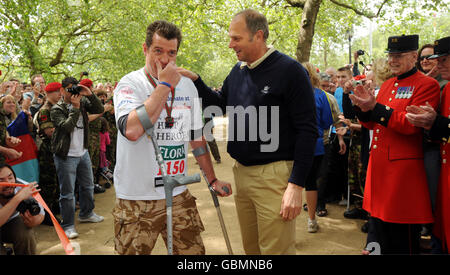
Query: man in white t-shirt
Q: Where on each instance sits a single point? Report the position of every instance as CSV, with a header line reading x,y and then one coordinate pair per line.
x,y
170,103
70,148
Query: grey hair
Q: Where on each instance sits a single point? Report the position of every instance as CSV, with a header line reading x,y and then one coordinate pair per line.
x,y
324,77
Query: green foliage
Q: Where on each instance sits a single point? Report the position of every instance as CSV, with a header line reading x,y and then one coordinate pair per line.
x,y
104,37
422,17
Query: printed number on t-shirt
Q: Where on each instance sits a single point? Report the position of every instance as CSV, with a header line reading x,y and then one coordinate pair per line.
x,y
174,167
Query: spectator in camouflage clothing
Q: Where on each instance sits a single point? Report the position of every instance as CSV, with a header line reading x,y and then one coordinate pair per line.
x,y
45,128
94,141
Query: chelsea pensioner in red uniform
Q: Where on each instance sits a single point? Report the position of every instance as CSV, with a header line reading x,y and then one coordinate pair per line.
x,y
396,185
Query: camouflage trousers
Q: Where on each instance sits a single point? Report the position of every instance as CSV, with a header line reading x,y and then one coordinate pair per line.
x,y
356,172
137,225
48,181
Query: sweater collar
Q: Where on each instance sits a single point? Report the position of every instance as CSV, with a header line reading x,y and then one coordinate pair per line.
x,y
260,60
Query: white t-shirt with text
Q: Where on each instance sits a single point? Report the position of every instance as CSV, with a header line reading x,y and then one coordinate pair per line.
x,y
137,173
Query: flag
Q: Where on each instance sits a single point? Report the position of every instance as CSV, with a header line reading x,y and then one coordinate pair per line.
x,y
27,166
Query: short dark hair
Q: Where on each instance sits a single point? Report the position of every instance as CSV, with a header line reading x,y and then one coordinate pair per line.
x,y
101,92
255,21
68,80
345,69
165,29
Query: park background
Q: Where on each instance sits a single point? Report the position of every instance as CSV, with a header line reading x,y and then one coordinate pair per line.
x,y
60,38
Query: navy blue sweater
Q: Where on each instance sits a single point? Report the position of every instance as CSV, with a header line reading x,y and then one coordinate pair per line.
x,y
278,81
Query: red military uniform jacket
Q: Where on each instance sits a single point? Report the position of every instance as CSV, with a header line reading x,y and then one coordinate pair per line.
x,y
442,128
396,189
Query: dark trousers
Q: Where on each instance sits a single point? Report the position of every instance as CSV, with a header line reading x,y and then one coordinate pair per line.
x,y
314,174
321,181
336,177
432,160
394,238
17,233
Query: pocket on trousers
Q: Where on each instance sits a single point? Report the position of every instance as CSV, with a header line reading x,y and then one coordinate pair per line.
x,y
189,222
123,218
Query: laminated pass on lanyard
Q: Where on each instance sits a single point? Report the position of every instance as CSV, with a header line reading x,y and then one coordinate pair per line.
x,y
62,236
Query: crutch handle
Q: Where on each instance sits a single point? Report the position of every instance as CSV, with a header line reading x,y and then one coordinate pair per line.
x,y
183,180
224,189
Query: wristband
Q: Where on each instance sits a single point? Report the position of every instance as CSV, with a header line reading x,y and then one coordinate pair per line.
x,y
166,84
213,181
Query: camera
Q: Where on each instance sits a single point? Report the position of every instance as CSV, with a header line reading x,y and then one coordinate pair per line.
x,y
357,82
75,89
30,205
360,52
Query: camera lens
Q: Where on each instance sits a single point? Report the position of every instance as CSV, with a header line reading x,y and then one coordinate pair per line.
x,y
29,204
75,89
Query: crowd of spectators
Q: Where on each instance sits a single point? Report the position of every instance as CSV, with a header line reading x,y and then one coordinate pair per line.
x,y
65,140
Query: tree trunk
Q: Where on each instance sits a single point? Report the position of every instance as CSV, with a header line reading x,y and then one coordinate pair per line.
x,y
325,54
306,34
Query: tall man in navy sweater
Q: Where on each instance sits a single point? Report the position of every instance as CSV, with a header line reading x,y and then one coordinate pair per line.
x,y
266,91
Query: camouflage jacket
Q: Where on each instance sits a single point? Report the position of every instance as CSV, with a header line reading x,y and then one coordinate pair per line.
x,y
43,119
65,122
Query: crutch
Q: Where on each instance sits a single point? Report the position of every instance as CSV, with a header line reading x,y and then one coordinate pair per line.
x,y
219,212
170,182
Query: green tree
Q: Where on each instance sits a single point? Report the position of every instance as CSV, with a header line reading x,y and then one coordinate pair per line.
x,y
104,37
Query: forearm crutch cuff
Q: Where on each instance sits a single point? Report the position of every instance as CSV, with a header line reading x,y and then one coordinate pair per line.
x,y
199,151
143,118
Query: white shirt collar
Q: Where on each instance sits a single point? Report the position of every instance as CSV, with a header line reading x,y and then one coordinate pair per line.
x,y
260,60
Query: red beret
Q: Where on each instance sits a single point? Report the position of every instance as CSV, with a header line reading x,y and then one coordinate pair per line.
x,y
359,77
53,87
86,82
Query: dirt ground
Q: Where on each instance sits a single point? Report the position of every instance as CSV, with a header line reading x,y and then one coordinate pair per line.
x,y
336,235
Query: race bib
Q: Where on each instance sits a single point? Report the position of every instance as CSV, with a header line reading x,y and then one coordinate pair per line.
x,y
175,160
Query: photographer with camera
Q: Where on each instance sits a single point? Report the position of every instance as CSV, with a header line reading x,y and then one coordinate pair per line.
x,y
70,147
19,213
82,74
35,98
356,56
367,68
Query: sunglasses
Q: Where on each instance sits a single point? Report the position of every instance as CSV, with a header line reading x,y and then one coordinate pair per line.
x,y
424,57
